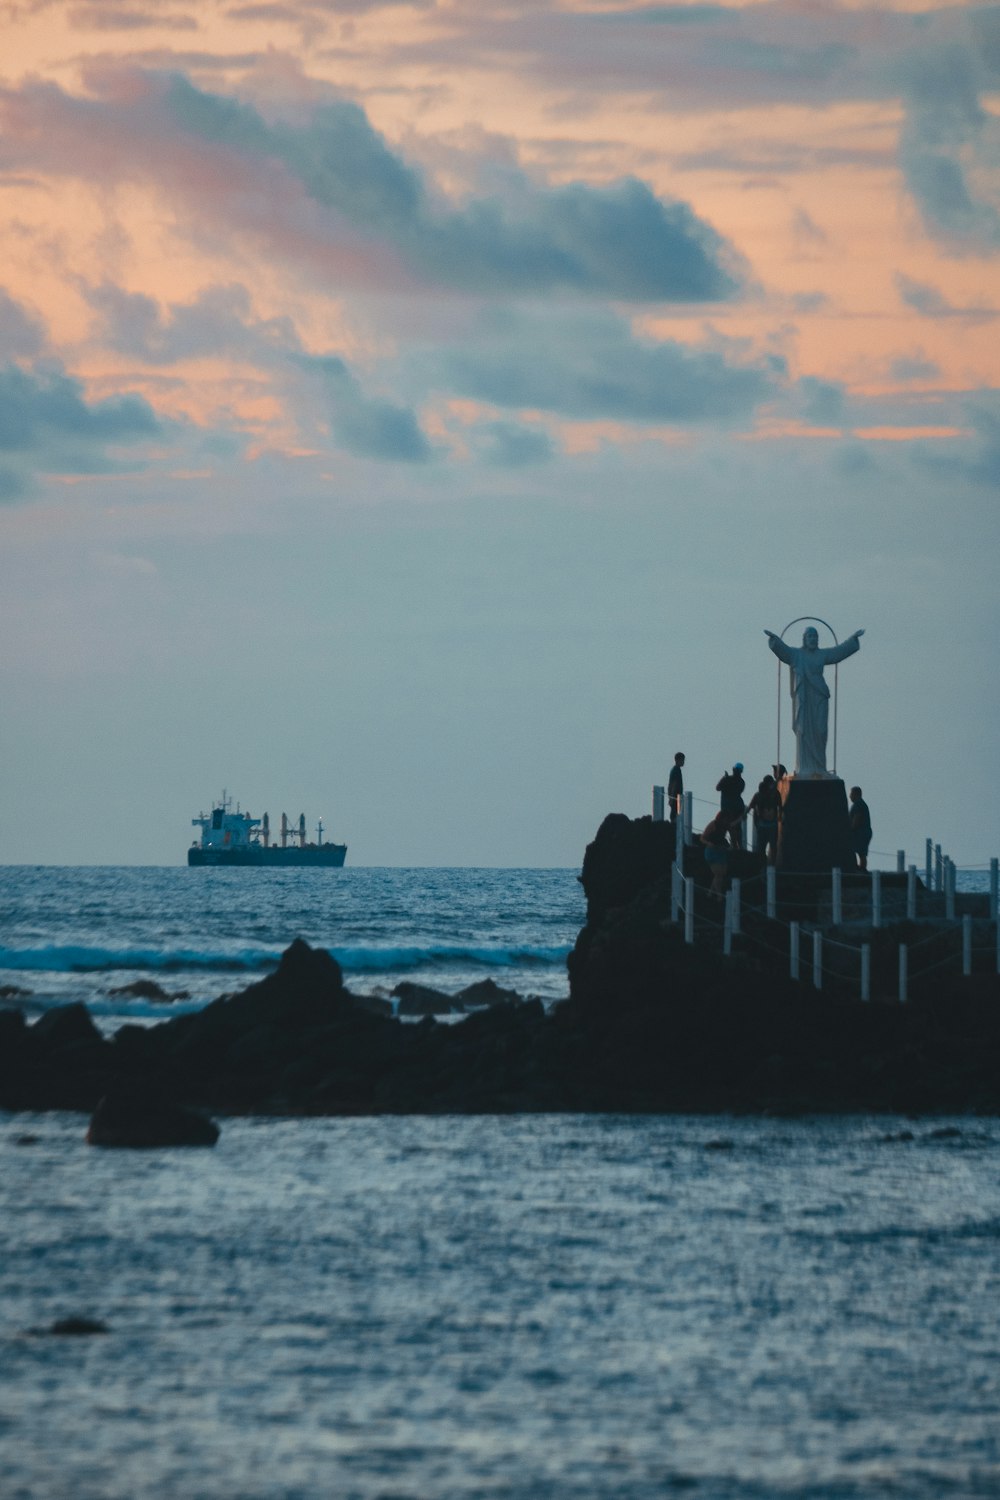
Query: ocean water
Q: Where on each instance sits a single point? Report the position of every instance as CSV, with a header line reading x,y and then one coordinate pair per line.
x,y
534,1308
410,1308
78,933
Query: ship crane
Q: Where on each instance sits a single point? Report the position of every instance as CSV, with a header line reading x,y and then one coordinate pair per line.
x,y
302,830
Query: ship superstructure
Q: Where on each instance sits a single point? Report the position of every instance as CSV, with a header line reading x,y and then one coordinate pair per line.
x,y
231,837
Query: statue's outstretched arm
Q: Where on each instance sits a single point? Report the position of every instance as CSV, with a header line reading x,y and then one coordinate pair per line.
x,y
778,646
845,649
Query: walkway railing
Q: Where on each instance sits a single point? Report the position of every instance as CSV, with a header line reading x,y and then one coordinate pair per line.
x,y
966,944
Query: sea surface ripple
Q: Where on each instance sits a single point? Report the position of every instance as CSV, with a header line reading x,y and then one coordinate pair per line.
x,y
534,1306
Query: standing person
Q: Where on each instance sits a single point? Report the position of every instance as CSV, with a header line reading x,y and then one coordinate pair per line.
x,y
675,785
765,805
861,826
714,837
731,787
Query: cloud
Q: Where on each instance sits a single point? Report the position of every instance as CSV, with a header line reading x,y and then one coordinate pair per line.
x,y
331,192
822,401
983,466
219,321
508,446
365,426
914,367
22,333
48,427
950,145
930,302
590,367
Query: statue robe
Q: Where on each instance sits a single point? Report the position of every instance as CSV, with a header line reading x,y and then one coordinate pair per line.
x,y
811,698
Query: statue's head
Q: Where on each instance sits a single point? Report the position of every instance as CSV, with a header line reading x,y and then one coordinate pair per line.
x,y
810,638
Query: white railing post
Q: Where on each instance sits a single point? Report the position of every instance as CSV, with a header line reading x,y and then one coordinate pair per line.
x,y
772,892
949,890
680,838
675,892
911,894
929,865
903,973
938,869
836,897
736,891
727,925
817,959
689,817
866,971
966,946
876,898
900,861
658,800
793,949
994,885
689,909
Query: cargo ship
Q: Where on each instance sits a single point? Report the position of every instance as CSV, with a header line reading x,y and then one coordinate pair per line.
x,y
236,838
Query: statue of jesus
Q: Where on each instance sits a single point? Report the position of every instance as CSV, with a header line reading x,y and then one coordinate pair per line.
x,y
810,694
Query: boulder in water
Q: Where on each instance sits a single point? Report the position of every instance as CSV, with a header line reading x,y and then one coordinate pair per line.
x,y
135,1117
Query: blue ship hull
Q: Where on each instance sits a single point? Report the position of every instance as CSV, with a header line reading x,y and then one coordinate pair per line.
x,y
255,856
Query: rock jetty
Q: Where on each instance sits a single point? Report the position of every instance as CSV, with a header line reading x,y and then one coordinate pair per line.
x,y
650,1024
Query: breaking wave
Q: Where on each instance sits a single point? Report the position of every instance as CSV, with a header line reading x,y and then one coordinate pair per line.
x,y
78,959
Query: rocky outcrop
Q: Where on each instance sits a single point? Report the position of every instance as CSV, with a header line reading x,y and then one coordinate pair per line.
x,y
651,1024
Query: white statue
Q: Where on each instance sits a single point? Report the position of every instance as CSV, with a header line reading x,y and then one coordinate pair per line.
x,y
810,694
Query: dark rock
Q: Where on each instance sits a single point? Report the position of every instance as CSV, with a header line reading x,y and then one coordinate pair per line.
x,y
486,992
13,1030
721,1144
375,1005
27,1140
141,1118
149,990
13,992
62,1026
77,1327
421,1000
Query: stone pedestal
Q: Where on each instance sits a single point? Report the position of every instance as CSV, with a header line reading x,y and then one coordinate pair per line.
x,y
815,832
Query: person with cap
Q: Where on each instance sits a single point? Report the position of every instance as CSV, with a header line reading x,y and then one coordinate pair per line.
x,y
731,787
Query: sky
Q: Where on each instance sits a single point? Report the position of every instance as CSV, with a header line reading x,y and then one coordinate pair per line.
x,y
414,415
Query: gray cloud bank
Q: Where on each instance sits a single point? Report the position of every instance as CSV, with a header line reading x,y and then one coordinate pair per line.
x,y
331,190
47,427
